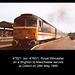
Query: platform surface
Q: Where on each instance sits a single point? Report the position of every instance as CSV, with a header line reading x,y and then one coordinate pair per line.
x,y
59,44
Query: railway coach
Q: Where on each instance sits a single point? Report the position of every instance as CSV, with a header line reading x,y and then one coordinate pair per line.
x,y
29,29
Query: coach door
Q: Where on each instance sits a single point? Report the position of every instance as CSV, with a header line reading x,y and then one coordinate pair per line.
x,y
55,33
40,26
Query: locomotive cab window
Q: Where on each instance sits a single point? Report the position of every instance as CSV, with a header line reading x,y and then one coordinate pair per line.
x,y
31,22
20,23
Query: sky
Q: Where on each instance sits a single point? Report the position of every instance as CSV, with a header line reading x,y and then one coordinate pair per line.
x,y
60,15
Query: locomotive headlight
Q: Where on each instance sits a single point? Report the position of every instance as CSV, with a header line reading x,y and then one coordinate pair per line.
x,y
26,37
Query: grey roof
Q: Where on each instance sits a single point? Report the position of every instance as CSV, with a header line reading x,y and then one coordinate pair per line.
x,y
6,24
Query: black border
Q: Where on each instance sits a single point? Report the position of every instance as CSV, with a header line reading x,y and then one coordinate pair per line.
x,y
6,55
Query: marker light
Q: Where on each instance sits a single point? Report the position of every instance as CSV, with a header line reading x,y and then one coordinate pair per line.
x,y
26,37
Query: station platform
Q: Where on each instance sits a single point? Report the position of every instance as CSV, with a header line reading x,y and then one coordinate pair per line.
x,y
59,44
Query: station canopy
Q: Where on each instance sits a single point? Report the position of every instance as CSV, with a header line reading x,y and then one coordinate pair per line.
x,y
6,24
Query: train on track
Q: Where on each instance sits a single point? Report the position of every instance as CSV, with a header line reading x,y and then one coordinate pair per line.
x,y
30,30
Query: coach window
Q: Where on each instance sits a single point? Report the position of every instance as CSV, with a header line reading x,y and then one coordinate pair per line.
x,y
42,24
39,23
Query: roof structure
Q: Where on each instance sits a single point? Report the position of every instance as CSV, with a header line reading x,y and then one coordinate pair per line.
x,y
6,24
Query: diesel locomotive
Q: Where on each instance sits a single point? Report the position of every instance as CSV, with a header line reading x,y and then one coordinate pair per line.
x,y
29,29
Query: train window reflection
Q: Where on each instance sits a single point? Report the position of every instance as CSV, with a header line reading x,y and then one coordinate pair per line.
x,y
31,23
20,23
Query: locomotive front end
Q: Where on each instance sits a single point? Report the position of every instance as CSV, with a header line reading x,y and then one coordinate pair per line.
x,y
25,31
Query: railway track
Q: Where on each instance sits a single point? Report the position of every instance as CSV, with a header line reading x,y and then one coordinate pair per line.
x,y
5,43
5,40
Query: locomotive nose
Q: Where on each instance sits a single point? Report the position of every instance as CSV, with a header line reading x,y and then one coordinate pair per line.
x,y
32,42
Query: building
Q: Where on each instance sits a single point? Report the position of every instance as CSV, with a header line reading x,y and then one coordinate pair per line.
x,y
6,28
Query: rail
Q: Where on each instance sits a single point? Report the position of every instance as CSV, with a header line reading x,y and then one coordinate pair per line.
x,y
6,38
